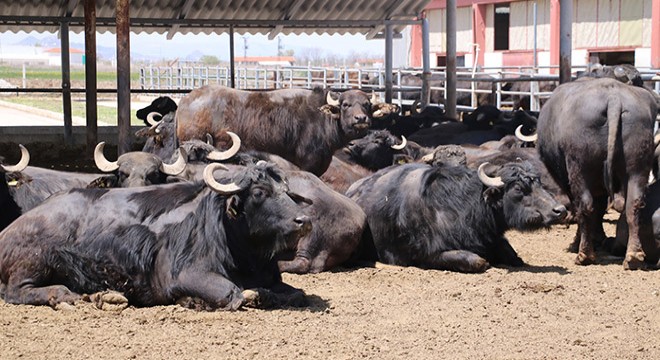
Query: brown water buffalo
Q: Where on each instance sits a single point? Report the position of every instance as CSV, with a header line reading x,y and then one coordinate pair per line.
x,y
303,126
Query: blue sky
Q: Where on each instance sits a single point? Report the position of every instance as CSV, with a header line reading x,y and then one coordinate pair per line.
x,y
218,45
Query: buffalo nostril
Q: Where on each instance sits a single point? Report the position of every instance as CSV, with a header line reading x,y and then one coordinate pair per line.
x,y
560,211
361,118
302,221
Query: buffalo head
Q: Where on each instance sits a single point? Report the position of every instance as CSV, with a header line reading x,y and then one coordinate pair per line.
x,y
355,109
259,193
139,168
376,150
517,190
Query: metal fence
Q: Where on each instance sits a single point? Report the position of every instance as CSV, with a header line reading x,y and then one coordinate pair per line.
x,y
495,82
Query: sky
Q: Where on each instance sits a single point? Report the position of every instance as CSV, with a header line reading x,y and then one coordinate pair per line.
x,y
218,45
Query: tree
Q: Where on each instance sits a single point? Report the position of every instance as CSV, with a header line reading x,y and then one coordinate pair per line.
x,y
209,60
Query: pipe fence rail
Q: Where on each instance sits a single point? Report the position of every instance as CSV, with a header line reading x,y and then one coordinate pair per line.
x,y
407,82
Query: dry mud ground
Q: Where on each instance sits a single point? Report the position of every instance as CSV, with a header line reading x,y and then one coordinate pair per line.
x,y
550,309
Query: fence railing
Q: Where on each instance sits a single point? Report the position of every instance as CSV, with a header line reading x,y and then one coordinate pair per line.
x,y
495,82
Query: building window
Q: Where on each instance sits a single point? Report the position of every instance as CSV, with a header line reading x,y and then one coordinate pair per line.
x,y
442,61
502,26
612,57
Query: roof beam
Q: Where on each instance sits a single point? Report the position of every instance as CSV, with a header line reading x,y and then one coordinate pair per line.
x,y
70,6
287,16
201,23
183,11
388,14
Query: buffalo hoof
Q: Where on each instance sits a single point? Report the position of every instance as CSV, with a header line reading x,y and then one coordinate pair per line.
x,y
108,301
584,259
634,261
261,298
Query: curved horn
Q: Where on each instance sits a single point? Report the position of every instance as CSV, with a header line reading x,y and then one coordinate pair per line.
x,y
374,99
101,162
527,138
402,145
224,155
150,118
331,101
22,164
209,139
224,189
427,158
178,166
487,180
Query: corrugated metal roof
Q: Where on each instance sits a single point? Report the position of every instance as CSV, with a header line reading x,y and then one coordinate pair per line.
x,y
215,16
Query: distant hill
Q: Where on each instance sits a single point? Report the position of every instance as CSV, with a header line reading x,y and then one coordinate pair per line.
x,y
102,52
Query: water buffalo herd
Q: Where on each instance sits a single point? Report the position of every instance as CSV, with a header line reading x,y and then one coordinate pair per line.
x,y
234,187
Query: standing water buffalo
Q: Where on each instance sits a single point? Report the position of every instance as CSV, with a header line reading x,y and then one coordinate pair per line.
x,y
303,126
596,138
452,217
206,242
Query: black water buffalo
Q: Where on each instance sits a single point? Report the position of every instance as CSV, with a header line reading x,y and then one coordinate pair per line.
x,y
160,138
28,186
377,149
405,125
452,217
162,105
482,129
337,226
9,209
136,168
596,138
303,126
207,242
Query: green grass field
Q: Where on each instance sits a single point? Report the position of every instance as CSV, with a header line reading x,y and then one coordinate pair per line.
x,y
104,113
15,72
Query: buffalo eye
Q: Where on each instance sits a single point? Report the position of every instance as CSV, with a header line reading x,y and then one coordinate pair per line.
x,y
344,105
258,194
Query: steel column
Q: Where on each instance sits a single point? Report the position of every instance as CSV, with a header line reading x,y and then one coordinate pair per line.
x,y
450,103
232,65
565,35
66,83
388,63
90,75
123,77
426,66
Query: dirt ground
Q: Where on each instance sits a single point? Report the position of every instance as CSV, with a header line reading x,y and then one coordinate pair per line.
x,y
550,309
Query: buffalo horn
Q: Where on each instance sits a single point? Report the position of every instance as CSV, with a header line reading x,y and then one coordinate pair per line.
x,y
427,158
487,180
22,164
224,189
527,138
402,145
224,155
374,99
150,118
101,162
178,166
331,101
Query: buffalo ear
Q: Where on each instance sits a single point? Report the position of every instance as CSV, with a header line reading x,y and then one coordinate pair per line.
x,y
384,109
232,206
109,181
329,109
493,195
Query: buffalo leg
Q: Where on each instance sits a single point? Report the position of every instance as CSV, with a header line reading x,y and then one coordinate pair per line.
x,y
634,253
214,289
22,288
302,260
458,260
506,255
